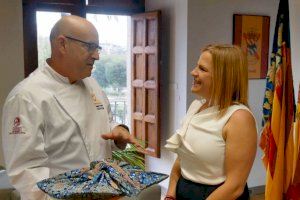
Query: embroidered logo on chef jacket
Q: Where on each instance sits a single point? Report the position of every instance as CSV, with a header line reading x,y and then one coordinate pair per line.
x,y
17,129
97,102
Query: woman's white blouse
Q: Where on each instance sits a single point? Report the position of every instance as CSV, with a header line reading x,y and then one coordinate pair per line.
x,y
200,145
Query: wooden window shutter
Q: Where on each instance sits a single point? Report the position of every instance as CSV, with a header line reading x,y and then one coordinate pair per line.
x,y
145,80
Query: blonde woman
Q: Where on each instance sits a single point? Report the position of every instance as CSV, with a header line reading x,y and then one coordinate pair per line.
x,y
216,143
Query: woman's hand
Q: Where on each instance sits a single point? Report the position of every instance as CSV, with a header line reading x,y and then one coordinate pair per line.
x,y
174,177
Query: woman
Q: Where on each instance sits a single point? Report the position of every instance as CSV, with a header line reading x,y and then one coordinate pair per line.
x,y
216,143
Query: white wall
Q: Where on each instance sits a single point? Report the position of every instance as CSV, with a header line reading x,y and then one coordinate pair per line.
x,y
173,70
295,41
11,48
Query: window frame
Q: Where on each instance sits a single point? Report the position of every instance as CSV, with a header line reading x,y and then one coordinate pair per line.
x,y
75,7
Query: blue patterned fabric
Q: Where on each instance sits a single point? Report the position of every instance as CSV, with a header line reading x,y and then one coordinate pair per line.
x,y
103,180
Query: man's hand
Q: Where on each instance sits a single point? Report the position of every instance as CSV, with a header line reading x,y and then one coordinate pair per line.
x,y
121,137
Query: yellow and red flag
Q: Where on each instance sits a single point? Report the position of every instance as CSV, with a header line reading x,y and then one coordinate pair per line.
x,y
278,111
293,191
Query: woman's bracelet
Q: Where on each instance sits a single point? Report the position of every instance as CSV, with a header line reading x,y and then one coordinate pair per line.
x,y
169,197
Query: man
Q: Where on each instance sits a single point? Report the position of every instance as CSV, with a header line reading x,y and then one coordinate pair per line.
x,y
59,119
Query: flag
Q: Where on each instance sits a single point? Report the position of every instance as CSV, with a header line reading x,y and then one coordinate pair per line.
x,y
278,111
293,192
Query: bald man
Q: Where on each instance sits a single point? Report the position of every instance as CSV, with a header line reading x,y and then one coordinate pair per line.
x,y
59,119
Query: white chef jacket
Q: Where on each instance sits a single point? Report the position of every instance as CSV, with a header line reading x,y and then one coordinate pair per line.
x,y
50,126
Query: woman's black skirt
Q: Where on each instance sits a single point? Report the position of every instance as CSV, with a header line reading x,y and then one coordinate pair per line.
x,y
188,190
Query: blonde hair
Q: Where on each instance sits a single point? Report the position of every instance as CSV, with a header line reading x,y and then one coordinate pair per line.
x,y
229,77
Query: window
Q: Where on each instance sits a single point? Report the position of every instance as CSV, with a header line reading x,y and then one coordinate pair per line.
x,y
112,71
142,78
44,22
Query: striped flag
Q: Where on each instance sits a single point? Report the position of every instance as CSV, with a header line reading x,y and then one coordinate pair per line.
x,y
278,111
293,191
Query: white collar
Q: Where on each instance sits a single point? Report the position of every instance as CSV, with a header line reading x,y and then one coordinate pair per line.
x,y
57,76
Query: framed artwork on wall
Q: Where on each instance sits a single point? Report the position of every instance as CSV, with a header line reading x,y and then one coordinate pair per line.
x,y
251,33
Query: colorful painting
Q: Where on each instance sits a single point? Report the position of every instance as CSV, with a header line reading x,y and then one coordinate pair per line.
x,y
251,33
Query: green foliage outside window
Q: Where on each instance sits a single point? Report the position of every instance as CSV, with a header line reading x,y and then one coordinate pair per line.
x,y
110,71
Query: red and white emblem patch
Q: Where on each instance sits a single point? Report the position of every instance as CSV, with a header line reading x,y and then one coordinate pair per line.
x,y
17,129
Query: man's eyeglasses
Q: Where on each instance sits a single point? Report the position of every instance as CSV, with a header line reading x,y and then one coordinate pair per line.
x,y
91,47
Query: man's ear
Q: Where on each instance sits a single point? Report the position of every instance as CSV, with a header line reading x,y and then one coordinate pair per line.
x,y
61,42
